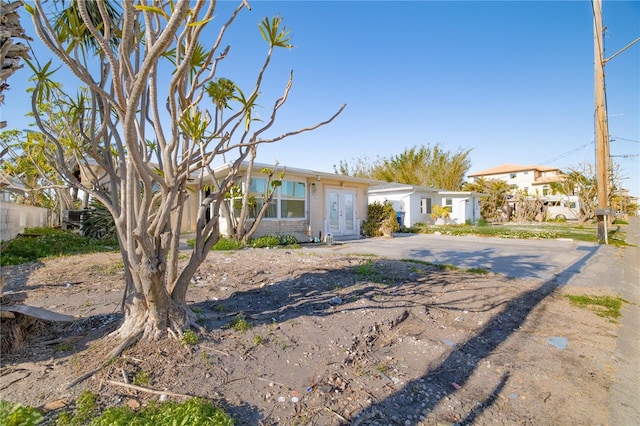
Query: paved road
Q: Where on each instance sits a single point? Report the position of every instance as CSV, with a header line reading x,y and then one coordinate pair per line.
x,y
579,264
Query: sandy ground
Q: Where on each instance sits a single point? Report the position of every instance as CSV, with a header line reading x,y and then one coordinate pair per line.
x,y
333,339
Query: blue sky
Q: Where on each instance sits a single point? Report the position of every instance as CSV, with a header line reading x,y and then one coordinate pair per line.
x,y
511,80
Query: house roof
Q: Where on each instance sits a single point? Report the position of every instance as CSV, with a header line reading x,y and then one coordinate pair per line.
x,y
9,183
398,187
542,180
318,175
393,186
510,168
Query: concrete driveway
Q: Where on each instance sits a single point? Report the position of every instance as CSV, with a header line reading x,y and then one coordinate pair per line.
x,y
586,265
536,259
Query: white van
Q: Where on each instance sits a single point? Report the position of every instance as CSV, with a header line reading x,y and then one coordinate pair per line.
x,y
562,207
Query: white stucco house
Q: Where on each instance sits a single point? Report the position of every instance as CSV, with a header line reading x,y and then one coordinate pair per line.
x,y
415,203
309,204
535,180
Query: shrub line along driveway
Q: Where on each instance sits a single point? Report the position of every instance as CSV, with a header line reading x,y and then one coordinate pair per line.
x,y
565,262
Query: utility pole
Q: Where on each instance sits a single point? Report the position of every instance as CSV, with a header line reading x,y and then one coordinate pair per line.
x,y
600,123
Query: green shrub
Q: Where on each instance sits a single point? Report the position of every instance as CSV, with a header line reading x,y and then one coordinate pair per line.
x,y
265,241
483,222
39,243
97,222
227,244
18,415
240,323
288,240
381,217
86,409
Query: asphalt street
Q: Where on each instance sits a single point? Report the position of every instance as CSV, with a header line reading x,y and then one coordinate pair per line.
x,y
580,264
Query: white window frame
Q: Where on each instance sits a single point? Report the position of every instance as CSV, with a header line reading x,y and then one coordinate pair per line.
x,y
278,198
426,205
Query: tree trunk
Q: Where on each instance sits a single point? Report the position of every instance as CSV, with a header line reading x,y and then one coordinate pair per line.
x,y
151,309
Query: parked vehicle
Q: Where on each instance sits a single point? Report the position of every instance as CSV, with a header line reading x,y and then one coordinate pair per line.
x,y
562,207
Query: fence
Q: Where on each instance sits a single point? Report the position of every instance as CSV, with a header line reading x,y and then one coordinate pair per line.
x,y
14,218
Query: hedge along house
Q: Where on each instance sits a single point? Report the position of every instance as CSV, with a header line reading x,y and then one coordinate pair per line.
x,y
308,205
414,204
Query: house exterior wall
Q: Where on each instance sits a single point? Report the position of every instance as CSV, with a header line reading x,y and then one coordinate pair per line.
x,y
315,222
319,210
523,179
407,202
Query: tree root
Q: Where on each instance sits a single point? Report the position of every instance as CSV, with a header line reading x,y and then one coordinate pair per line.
x,y
114,353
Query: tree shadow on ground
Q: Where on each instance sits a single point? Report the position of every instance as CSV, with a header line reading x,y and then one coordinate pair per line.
x,y
523,266
479,346
288,299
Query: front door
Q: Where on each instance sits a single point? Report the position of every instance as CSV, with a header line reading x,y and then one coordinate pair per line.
x,y
341,205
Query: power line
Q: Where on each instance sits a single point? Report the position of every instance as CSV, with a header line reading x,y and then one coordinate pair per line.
x,y
566,154
615,138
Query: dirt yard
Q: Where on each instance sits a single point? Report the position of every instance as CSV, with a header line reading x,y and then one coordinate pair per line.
x,y
330,340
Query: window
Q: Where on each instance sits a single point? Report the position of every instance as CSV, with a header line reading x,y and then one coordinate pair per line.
x,y
448,202
292,199
288,201
545,191
257,191
425,205
513,175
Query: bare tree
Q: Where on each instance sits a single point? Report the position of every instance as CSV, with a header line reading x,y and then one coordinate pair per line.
x,y
10,53
494,206
580,181
142,131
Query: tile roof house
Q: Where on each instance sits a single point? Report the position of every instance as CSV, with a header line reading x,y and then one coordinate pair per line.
x,y
532,179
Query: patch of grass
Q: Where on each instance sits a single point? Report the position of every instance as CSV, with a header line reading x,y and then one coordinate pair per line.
x,y
86,408
64,347
547,230
112,269
604,306
40,243
258,340
239,323
439,266
479,271
17,414
382,368
368,271
142,378
194,412
189,338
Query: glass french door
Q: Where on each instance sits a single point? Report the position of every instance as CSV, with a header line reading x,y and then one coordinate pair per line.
x,y
341,205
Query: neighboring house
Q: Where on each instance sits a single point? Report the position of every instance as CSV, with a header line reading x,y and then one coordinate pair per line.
x,y
534,180
415,203
308,205
10,188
